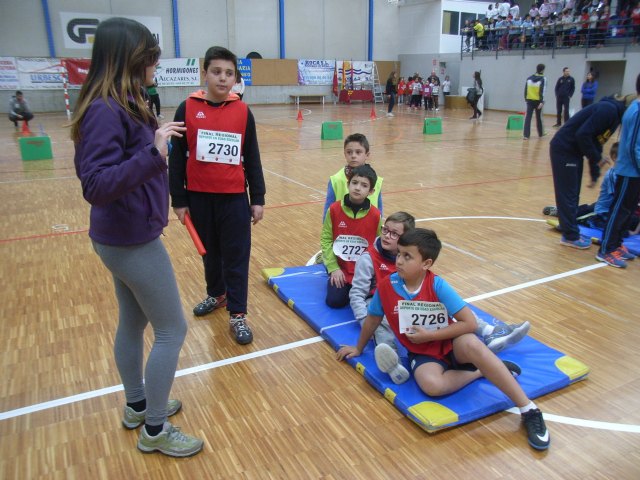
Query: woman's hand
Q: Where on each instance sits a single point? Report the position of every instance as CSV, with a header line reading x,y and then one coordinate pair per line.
x,y
164,134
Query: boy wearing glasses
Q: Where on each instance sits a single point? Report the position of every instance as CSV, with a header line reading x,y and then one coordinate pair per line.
x,y
377,263
350,226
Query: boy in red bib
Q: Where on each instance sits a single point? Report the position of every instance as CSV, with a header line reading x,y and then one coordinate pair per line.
x,y
350,226
377,263
420,307
209,172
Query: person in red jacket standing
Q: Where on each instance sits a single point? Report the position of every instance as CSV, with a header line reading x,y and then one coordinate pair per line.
x,y
209,170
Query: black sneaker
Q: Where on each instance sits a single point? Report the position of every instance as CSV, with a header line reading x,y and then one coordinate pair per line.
x,y
537,432
513,368
239,327
209,304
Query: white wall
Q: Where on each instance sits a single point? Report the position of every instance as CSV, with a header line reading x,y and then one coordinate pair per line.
x,y
451,43
420,26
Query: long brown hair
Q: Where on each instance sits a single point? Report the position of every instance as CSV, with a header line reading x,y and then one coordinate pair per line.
x,y
122,50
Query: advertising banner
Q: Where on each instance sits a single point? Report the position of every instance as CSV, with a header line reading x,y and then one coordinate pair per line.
x,y
8,74
77,69
315,72
244,67
79,29
322,72
39,73
178,72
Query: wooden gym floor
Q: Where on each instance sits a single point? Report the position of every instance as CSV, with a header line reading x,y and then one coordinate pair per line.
x,y
282,407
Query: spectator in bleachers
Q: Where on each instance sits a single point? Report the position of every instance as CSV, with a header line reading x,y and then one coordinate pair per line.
x,y
503,9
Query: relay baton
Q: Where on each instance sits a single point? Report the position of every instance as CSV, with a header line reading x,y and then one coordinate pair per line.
x,y
194,235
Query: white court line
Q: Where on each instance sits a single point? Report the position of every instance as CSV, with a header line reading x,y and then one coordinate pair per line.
x,y
481,217
187,371
618,427
457,249
294,181
212,365
36,180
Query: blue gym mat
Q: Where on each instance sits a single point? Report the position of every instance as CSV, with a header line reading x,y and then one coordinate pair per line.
x,y
544,369
595,234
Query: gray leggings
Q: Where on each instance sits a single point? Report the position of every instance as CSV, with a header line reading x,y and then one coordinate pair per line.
x,y
146,290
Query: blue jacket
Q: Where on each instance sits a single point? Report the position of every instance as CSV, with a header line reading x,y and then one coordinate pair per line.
x,y
628,164
123,180
587,131
589,90
607,189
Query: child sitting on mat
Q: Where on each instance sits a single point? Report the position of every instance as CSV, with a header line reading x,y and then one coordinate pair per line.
x,y
420,307
350,226
356,153
377,263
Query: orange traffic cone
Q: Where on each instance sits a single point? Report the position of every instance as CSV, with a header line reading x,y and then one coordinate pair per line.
x,y
373,113
299,115
25,128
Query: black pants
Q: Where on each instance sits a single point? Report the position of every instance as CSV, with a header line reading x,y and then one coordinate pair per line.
x,y
562,103
586,102
223,222
474,105
625,202
392,102
567,178
25,116
337,297
532,106
155,101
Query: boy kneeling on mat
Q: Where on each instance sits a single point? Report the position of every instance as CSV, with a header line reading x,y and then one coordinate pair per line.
x,y
419,306
350,226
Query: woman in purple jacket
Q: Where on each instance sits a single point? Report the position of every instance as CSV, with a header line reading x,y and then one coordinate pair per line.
x,y
120,160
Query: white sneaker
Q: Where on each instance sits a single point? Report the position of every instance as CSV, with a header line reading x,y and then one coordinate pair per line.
x,y
390,114
161,117
388,361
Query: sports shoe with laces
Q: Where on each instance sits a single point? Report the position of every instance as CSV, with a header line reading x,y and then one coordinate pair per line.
x,y
612,258
209,304
625,254
506,335
388,361
581,243
240,329
550,210
537,432
132,419
171,441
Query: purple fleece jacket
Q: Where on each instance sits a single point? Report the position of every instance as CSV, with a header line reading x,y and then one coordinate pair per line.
x,y
123,180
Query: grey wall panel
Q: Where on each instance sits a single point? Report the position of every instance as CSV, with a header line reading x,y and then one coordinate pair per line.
x,y
203,24
22,34
257,28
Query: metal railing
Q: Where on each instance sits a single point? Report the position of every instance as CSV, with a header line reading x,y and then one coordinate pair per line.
x,y
551,37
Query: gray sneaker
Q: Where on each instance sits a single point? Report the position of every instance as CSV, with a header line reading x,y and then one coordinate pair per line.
x,y
171,441
209,304
388,361
241,331
505,335
133,419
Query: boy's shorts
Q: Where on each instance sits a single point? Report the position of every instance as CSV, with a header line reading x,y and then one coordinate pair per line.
x,y
448,363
